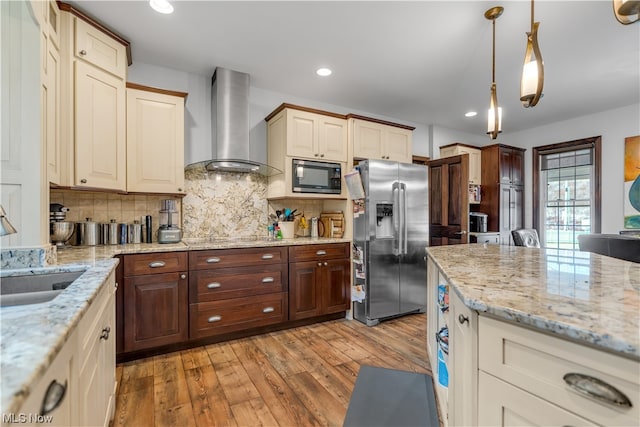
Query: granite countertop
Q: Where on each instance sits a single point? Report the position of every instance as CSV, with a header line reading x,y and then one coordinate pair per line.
x,y
32,335
589,298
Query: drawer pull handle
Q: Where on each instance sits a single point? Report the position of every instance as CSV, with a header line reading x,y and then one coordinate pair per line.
x,y
213,260
597,389
157,264
213,319
267,310
268,280
267,256
53,397
213,285
462,318
321,252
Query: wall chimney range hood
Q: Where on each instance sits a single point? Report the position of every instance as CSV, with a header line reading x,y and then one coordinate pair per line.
x,y
230,126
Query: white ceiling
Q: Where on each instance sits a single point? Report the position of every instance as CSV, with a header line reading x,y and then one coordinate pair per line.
x,y
422,61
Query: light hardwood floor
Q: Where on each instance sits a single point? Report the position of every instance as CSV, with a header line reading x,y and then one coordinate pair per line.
x,y
298,377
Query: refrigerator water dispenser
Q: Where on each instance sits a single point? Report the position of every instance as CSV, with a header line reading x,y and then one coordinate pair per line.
x,y
384,220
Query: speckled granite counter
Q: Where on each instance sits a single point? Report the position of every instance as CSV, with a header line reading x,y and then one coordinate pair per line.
x,y
590,298
32,335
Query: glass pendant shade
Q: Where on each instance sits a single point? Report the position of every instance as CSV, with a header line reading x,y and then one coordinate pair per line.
x,y
626,11
532,79
494,122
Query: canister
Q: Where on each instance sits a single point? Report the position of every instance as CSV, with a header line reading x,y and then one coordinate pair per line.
x,y
104,233
135,232
87,233
113,232
123,233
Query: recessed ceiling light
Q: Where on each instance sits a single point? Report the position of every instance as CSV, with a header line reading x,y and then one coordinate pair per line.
x,y
162,6
324,72
471,114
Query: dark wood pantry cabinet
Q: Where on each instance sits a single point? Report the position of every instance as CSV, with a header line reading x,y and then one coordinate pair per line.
x,y
503,189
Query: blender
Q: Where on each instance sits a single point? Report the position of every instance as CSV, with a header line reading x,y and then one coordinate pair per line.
x,y
169,233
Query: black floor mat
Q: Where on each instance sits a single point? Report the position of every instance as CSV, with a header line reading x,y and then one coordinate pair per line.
x,y
388,397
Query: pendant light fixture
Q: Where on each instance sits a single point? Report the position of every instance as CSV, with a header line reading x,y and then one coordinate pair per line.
x,y
494,123
533,70
626,11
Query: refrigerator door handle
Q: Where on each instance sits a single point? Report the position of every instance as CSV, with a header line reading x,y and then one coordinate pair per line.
x,y
397,224
403,189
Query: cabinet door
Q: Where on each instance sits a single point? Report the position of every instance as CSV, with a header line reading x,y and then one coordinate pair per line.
x,y
516,207
99,49
517,167
301,134
51,115
398,144
504,212
155,142
463,360
155,310
336,284
332,138
305,299
501,404
505,165
474,166
367,140
99,129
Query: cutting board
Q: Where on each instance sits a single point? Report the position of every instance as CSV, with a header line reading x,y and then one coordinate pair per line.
x,y
333,223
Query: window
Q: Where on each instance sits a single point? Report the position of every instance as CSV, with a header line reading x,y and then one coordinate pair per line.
x,y
567,192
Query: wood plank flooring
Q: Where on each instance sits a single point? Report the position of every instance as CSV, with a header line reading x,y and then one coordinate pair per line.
x,y
298,377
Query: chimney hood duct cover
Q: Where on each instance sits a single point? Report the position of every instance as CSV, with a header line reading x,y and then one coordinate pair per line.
x,y
230,125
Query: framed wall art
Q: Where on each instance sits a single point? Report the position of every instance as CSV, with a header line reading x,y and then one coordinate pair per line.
x,y
632,182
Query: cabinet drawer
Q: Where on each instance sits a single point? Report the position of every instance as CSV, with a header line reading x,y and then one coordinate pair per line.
x,y
220,258
163,262
317,252
538,362
224,283
219,317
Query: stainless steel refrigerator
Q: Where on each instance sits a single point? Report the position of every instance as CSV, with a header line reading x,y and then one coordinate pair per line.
x,y
390,236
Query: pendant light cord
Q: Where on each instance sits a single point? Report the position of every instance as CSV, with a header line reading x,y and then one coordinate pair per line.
x,y
493,61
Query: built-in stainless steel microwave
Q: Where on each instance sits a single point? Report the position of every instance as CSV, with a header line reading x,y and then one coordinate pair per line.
x,y
316,177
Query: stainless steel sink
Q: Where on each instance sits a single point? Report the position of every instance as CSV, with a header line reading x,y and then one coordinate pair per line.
x,y
34,288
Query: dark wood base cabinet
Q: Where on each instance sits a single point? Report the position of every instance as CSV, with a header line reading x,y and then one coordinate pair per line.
x,y
317,287
175,300
155,300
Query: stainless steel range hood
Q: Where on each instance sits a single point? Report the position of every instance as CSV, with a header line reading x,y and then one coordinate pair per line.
x,y
230,125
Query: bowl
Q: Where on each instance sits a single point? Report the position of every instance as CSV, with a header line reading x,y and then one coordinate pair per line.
x,y
60,232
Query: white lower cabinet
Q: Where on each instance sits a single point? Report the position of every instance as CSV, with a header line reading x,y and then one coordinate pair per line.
x,y
95,392
502,404
50,402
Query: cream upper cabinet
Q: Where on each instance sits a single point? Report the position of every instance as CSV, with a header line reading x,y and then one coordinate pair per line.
x,y
315,136
50,102
475,159
155,140
376,140
93,105
100,148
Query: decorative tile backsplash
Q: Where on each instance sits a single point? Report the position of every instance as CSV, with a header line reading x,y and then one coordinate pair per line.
x,y
124,208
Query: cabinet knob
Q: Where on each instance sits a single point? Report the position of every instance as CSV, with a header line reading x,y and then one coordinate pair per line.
x,y
104,335
83,52
462,318
325,263
180,190
316,154
183,276
83,181
321,155
319,264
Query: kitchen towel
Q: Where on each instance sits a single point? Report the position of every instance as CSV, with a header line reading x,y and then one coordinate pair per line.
x,y
388,397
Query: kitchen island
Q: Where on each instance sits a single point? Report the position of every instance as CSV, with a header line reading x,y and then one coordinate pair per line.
x,y
520,320
33,335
